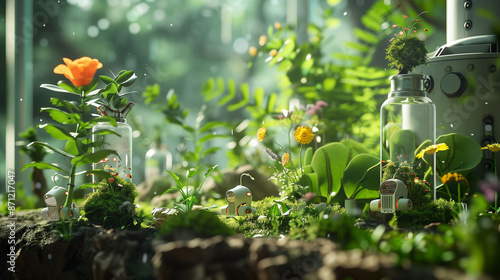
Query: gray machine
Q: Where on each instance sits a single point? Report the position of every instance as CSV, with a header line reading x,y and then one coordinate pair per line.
x,y
463,76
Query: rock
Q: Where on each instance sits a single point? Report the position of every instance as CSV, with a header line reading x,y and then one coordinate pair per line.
x,y
161,214
122,255
261,187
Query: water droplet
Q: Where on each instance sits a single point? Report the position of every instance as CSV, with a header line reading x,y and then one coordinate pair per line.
x,y
49,256
345,13
73,33
171,24
472,134
154,193
20,99
451,125
485,103
144,258
145,74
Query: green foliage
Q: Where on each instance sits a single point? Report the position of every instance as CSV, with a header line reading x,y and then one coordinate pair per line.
x,y
112,204
406,50
440,211
75,127
110,95
36,153
189,197
202,222
347,82
463,155
64,230
338,171
199,135
361,178
405,54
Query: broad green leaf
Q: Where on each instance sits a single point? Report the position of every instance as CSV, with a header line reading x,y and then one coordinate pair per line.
x,y
190,172
124,77
50,147
43,165
69,87
177,180
62,116
56,132
106,79
356,171
329,162
463,155
71,147
91,157
56,88
70,105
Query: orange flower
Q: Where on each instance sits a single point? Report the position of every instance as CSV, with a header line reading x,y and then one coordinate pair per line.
x,y
303,135
261,133
80,71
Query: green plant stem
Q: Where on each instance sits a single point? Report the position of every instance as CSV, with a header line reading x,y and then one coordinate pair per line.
x,y
496,178
459,194
71,187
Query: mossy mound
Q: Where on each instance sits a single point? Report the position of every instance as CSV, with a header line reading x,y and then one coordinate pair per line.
x,y
440,211
201,222
112,204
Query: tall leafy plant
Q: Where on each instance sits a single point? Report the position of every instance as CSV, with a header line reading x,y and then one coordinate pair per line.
x,y
73,122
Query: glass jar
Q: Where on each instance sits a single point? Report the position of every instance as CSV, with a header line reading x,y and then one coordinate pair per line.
x,y
407,121
118,138
158,159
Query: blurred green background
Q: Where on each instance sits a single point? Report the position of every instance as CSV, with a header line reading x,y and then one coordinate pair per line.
x,y
180,44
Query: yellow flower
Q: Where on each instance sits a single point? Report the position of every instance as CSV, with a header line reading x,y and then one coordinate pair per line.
x,y
80,71
449,177
303,135
261,133
433,149
262,40
495,147
285,159
273,52
252,51
277,25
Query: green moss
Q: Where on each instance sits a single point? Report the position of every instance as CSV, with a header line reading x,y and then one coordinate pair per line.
x,y
202,222
440,211
112,204
406,53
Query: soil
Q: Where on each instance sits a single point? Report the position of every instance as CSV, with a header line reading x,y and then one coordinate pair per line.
x,y
92,252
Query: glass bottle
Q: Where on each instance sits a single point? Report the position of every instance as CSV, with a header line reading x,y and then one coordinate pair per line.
x,y
158,159
407,121
118,138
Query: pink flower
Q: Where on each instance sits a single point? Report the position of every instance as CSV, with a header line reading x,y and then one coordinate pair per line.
x,y
405,16
401,33
406,29
313,109
394,26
